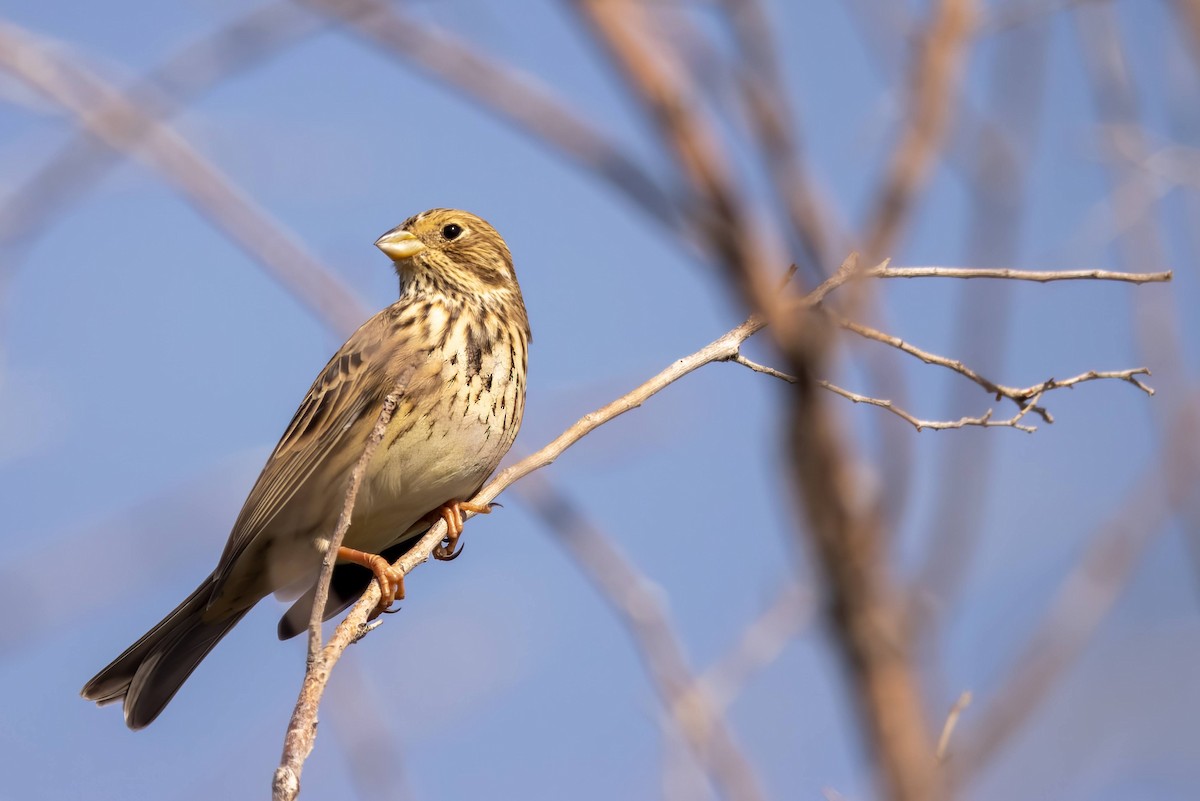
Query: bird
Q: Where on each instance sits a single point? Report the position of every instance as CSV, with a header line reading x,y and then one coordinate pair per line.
x,y
452,352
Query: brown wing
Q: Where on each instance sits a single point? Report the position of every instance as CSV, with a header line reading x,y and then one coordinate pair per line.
x,y
341,407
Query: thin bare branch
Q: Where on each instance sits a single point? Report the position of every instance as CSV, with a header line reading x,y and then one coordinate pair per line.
x,y
512,95
122,125
1022,396
161,94
984,420
764,369
1040,276
302,729
354,626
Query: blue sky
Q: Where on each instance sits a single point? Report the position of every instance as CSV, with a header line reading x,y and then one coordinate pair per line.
x,y
147,367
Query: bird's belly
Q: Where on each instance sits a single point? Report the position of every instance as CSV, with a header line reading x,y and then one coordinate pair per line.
x,y
421,471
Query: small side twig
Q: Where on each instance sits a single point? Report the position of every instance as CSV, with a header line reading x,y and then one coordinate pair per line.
x,y
1029,398
1004,273
1022,396
984,420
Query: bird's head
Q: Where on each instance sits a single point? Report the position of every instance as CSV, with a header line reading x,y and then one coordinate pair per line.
x,y
449,251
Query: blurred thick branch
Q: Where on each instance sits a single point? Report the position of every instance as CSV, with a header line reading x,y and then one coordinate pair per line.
x,y
505,91
935,75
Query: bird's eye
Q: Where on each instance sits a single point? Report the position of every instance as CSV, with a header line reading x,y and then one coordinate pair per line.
x,y
452,231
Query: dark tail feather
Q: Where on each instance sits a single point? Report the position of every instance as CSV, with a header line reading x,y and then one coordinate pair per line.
x,y
348,584
152,670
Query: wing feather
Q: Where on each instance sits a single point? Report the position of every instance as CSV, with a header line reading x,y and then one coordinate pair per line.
x,y
342,405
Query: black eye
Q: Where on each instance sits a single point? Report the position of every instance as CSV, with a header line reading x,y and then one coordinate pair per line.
x,y
452,231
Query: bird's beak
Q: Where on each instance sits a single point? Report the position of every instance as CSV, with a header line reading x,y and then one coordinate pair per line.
x,y
399,245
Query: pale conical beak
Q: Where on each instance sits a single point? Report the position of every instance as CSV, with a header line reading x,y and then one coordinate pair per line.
x,y
399,245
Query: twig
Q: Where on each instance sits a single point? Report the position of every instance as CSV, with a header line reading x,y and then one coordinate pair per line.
x,y
984,420
764,369
302,729
1040,276
352,628
1022,396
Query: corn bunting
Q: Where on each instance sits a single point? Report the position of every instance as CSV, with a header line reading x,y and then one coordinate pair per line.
x,y
453,348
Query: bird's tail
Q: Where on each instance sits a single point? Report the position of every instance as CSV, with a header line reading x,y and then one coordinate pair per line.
x,y
152,670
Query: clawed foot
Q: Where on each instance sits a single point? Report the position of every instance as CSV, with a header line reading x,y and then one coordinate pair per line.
x,y
391,581
452,513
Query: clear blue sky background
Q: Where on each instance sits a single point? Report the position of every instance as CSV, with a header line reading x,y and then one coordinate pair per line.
x,y
147,367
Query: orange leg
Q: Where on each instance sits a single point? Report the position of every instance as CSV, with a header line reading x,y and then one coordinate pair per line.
x,y
391,582
452,513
